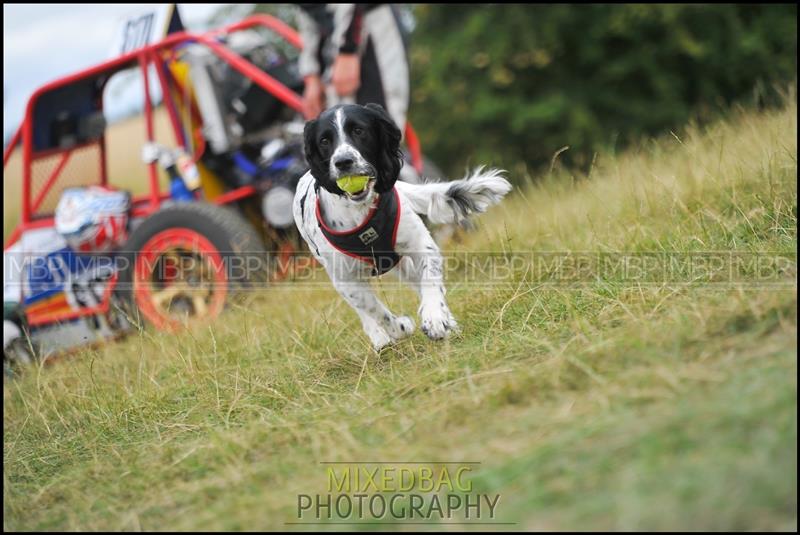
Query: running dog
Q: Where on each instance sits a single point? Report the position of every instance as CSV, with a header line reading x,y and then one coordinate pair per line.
x,y
359,234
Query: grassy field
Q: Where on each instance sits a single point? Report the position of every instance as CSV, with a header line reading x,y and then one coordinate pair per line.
x,y
613,404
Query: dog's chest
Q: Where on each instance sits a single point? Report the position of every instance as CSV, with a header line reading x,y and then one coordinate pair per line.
x,y
373,239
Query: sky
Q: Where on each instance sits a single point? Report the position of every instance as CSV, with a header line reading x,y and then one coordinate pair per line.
x,y
42,42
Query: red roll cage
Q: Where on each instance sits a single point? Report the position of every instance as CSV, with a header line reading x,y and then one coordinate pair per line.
x,y
145,204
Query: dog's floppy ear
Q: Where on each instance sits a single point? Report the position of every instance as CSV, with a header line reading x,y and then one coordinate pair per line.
x,y
313,157
390,159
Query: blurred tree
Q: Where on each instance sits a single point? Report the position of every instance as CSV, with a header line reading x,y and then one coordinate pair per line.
x,y
515,83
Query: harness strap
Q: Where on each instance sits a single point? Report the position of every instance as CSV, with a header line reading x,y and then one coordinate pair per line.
x,y
373,241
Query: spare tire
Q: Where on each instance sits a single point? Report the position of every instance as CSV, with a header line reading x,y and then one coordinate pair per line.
x,y
184,262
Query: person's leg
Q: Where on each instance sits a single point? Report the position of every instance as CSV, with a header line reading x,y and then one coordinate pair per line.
x,y
371,89
384,64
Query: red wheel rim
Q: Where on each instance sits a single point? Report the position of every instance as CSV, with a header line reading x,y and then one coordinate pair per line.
x,y
179,276
285,254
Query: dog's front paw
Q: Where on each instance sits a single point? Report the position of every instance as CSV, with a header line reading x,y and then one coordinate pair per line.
x,y
401,327
437,322
378,337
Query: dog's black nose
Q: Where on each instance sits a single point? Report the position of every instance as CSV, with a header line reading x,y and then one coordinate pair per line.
x,y
343,164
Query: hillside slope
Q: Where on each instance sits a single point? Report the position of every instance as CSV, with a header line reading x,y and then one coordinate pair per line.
x,y
625,401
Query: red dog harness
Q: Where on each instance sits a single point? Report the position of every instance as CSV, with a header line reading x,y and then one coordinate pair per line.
x,y
373,241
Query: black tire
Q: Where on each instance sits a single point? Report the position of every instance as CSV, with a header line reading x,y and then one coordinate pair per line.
x,y
234,239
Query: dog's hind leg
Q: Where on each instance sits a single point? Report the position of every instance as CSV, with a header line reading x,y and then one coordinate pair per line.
x,y
381,326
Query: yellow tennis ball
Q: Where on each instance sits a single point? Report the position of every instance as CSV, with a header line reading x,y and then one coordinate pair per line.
x,y
353,183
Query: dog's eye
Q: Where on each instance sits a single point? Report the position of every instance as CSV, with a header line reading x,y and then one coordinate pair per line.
x,y
324,142
357,131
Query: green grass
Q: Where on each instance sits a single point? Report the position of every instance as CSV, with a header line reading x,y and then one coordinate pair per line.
x,y
604,405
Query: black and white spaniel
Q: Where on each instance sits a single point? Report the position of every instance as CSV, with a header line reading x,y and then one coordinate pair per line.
x,y
361,234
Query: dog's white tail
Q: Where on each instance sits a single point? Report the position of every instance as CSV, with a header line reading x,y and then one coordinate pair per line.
x,y
451,202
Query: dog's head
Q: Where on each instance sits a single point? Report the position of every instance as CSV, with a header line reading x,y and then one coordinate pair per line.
x,y
354,140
